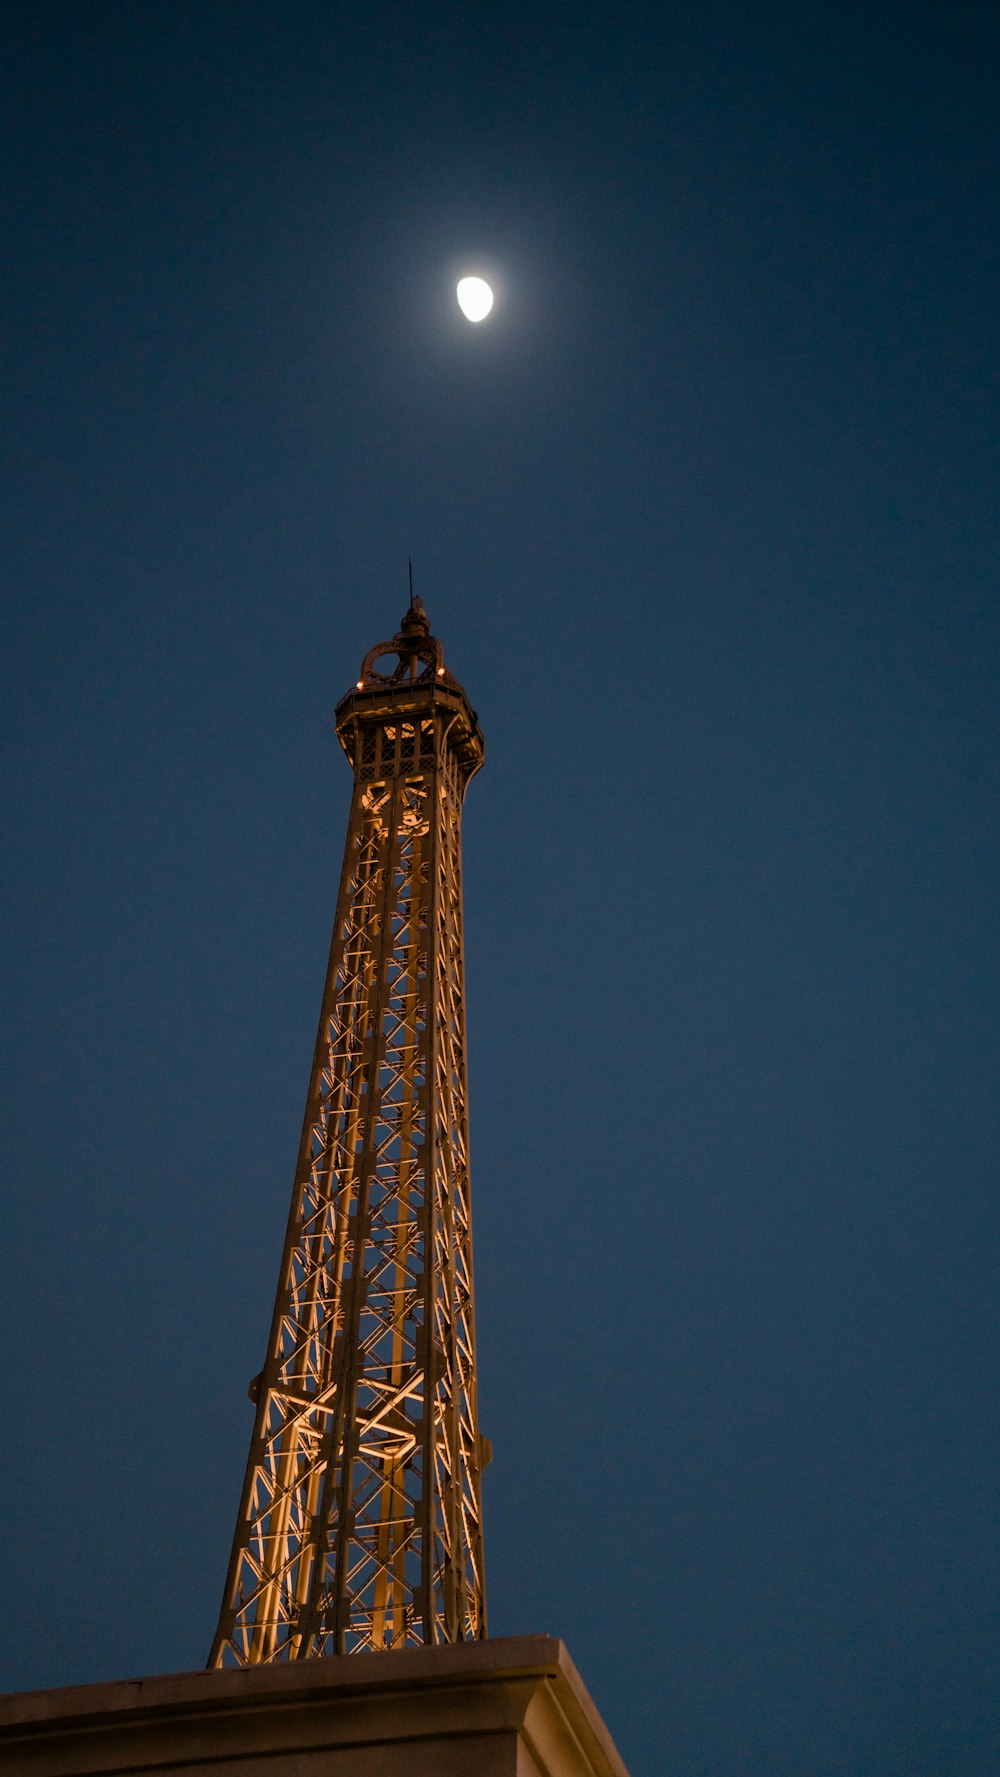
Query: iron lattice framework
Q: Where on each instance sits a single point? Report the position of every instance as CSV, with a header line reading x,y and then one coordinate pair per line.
x,y
361,1522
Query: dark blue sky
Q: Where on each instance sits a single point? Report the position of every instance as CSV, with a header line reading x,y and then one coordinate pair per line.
x,y
706,516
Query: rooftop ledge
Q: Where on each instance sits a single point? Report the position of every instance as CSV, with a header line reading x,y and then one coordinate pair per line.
x,y
510,1708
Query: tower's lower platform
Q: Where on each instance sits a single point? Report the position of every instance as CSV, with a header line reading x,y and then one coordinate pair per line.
x,y
513,1708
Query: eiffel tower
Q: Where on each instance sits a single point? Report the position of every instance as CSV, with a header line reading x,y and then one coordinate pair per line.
x,y
360,1525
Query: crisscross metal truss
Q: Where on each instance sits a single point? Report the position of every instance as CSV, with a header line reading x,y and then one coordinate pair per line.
x,y
361,1524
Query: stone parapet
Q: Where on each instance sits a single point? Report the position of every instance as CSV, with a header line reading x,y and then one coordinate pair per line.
x,y
507,1708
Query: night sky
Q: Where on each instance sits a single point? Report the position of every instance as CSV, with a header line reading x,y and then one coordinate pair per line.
x,y
705,515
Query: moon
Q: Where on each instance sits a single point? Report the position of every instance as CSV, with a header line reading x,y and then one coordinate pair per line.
x,y
475,298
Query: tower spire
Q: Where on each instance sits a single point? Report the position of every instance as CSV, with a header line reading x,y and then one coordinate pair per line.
x,y
360,1524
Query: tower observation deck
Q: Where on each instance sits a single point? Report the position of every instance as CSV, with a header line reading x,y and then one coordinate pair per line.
x,y
360,1525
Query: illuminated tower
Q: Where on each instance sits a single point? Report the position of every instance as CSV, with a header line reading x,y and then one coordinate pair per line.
x,y
360,1524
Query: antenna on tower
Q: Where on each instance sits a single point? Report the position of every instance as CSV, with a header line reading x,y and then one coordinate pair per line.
x,y
409,563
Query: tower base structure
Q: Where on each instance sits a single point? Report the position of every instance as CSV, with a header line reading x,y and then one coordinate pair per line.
x,y
508,1708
